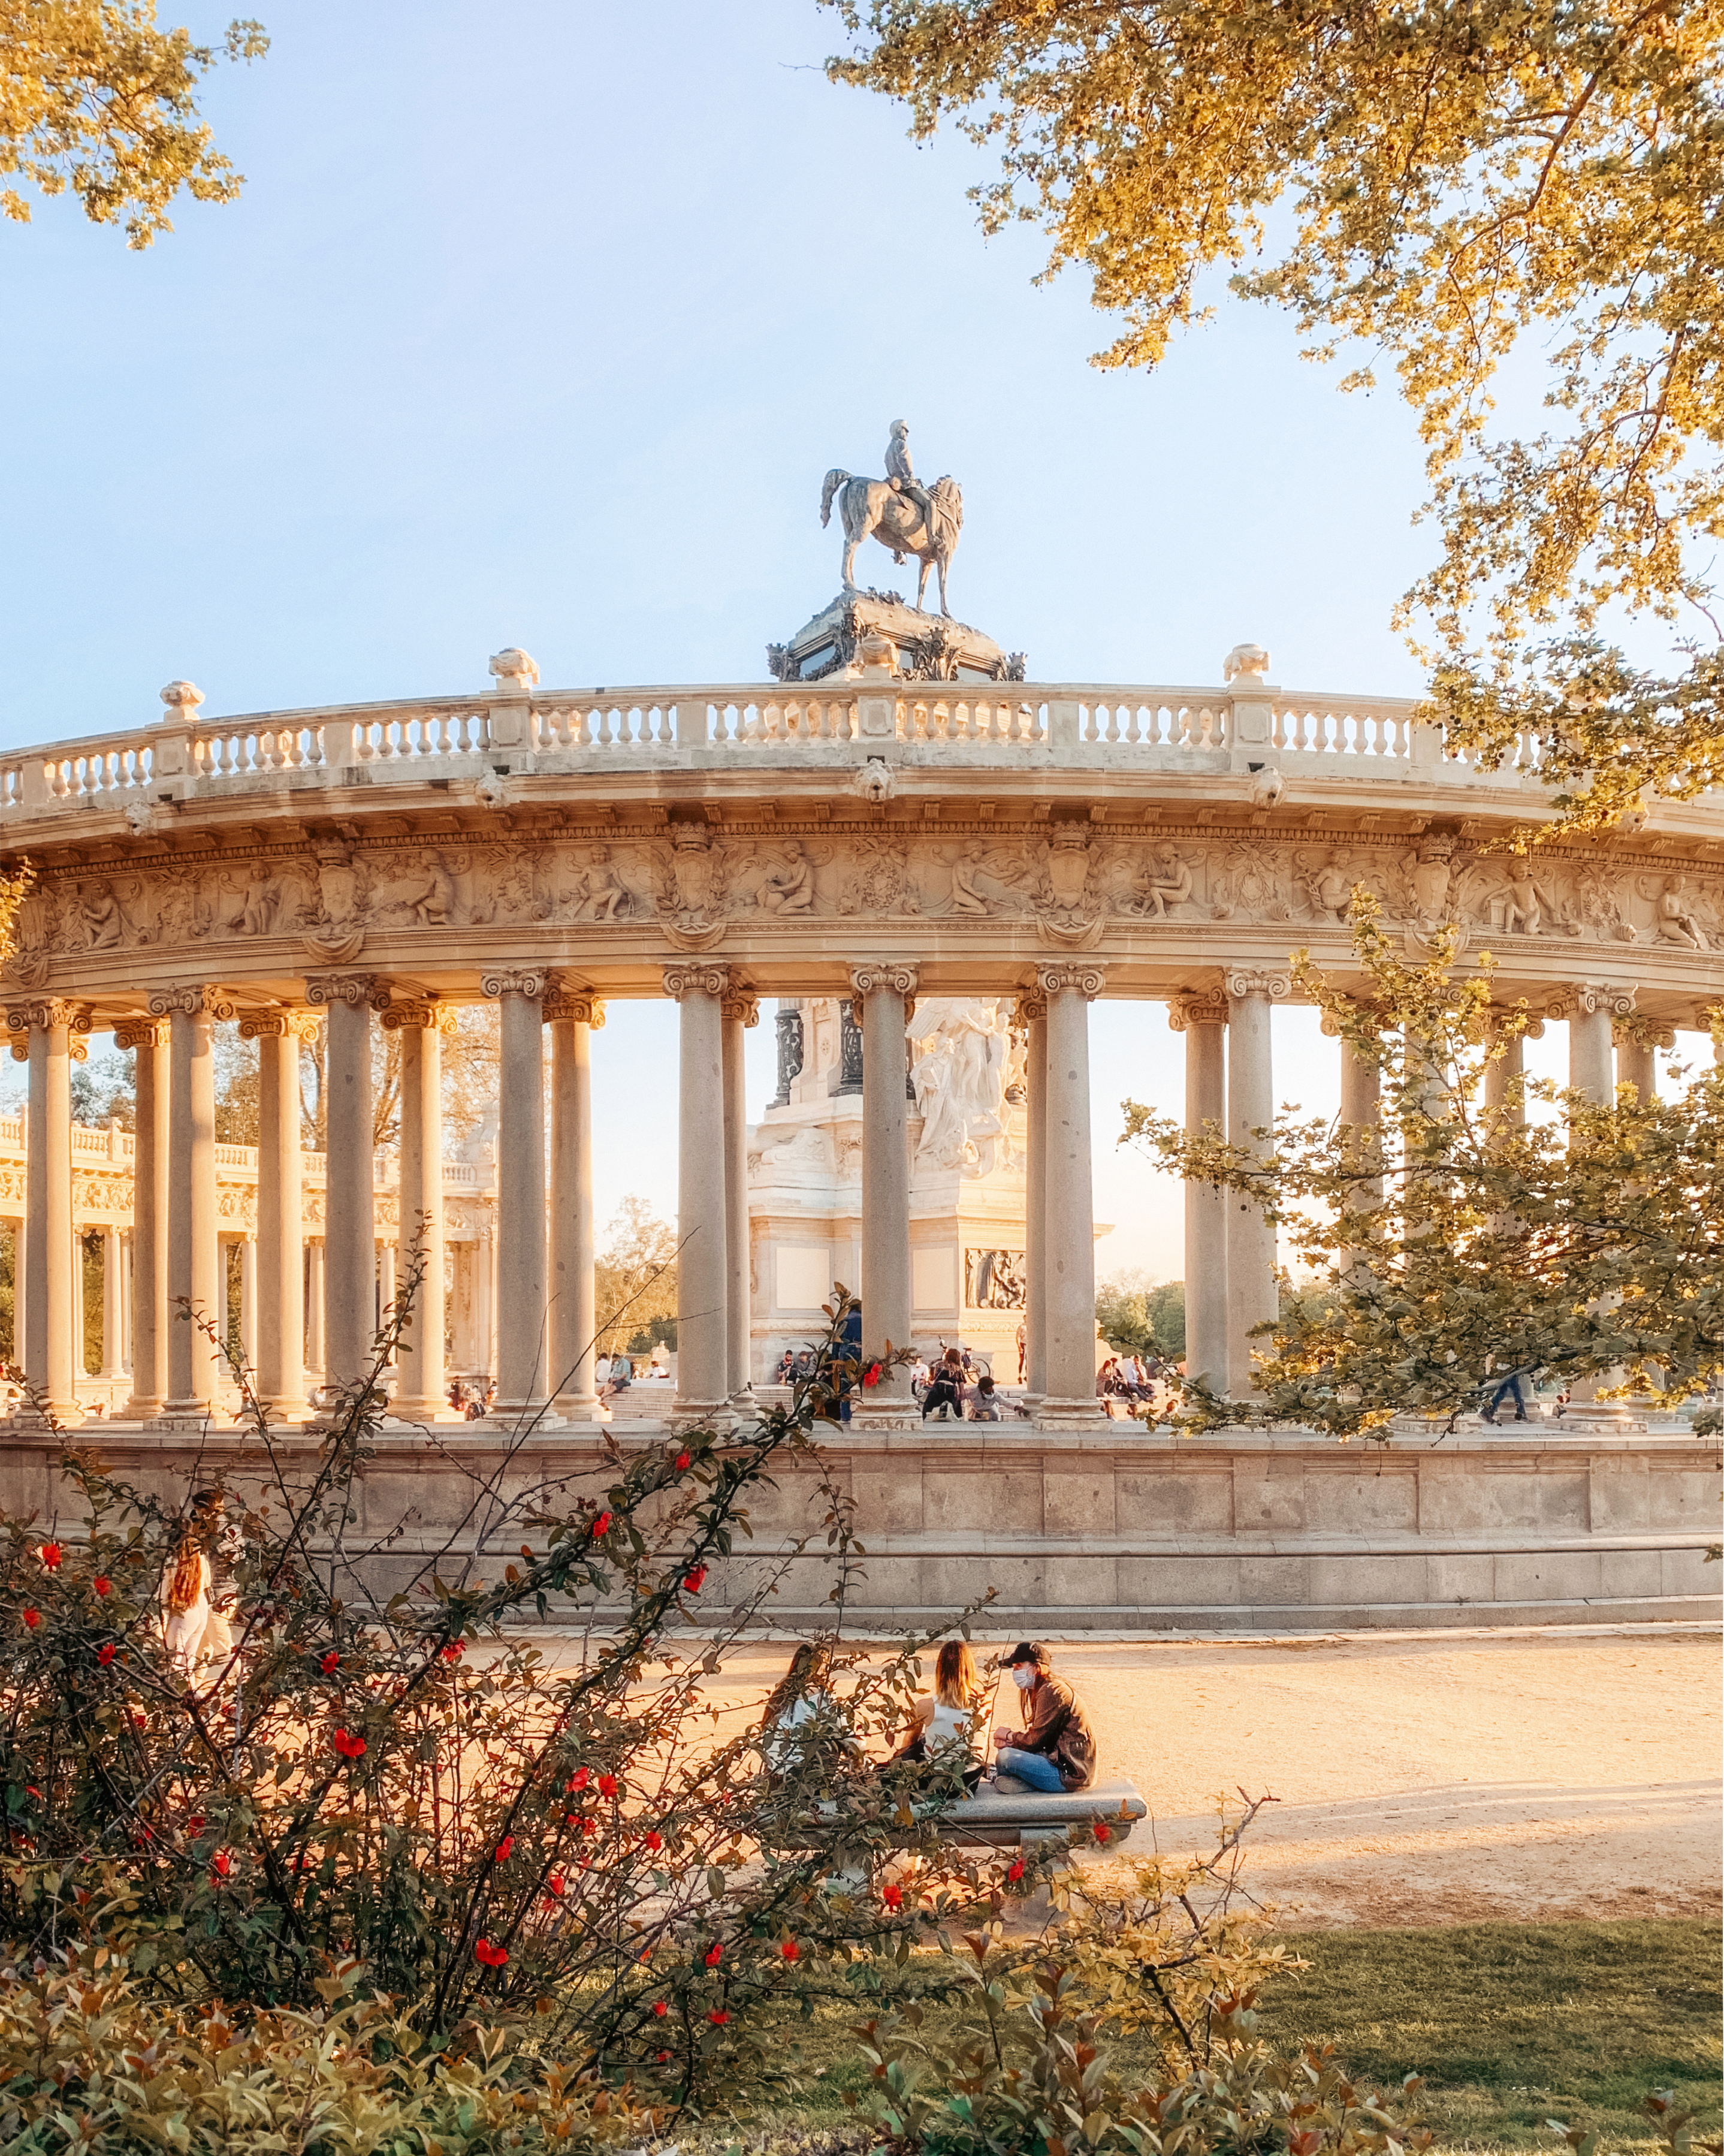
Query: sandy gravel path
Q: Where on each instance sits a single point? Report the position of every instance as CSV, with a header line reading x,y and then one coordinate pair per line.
x,y
1422,1778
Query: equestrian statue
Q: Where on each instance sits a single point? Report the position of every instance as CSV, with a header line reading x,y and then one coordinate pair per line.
x,y
903,514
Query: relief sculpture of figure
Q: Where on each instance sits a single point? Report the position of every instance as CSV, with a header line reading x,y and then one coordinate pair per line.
x,y
104,923
605,894
1524,905
789,886
1676,923
966,898
963,1061
257,905
1329,887
1166,881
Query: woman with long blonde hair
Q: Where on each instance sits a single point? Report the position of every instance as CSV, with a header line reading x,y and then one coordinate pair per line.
x,y
943,1727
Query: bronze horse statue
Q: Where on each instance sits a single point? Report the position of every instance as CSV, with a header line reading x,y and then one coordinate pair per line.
x,y
875,509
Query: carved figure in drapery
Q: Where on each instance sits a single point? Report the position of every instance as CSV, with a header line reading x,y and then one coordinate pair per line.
x,y
962,1054
424,895
604,895
995,1279
1327,883
1166,880
787,887
880,882
182,913
986,881
31,929
260,897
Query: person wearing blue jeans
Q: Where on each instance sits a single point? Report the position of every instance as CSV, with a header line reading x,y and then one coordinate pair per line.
x,y
1054,1751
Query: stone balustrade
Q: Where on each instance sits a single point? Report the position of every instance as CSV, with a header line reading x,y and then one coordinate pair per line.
x,y
865,838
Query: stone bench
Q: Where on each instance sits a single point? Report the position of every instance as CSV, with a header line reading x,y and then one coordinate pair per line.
x,y
1018,1817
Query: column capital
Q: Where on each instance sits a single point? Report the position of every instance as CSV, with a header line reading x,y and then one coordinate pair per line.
x,y
422,1014
276,1025
356,990
742,1003
695,979
192,1000
1031,1005
582,1005
1640,1031
1197,1007
1494,1024
884,973
48,1011
138,1032
1257,981
515,981
1587,998
1083,974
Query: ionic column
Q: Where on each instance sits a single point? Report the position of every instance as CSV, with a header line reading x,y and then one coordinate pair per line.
x,y
1070,1226
1589,1007
1252,1294
195,1280
484,1273
522,1367
1360,1099
149,1147
703,1251
349,1209
1502,1070
78,1254
315,1298
739,1011
573,1017
112,1302
885,992
386,1286
1032,1017
280,1248
248,1304
1202,1017
49,1243
1637,1057
420,1392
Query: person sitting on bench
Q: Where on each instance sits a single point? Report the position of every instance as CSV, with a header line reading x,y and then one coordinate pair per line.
x,y
1055,1750
943,1723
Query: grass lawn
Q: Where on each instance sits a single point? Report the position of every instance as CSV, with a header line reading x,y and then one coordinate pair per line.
x,y
1508,2024
1513,2024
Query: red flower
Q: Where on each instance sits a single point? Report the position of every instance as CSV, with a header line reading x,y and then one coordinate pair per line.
x,y
588,1824
660,2009
492,1957
102,1585
718,2017
696,1579
31,1790
655,1842
682,1462
504,1847
1102,1832
557,1883
871,1376
1015,1872
51,1554
714,1953
137,1719
194,1824
791,1951
577,1780
893,1896
33,1617
105,1653
453,1651
222,1863
350,1748
331,1663
606,1785
663,2057
601,1525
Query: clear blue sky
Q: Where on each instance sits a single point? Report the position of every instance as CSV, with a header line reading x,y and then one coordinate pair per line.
x,y
540,323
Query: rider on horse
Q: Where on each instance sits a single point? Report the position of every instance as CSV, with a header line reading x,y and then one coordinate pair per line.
x,y
901,473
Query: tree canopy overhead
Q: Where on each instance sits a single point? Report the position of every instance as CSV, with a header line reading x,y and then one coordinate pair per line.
x,y
1437,186
96,100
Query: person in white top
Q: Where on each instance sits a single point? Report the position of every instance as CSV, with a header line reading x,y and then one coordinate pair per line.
x,y
943,1726
184,1602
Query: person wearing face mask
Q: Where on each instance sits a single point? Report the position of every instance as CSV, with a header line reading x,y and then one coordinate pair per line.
x,y
1055,1749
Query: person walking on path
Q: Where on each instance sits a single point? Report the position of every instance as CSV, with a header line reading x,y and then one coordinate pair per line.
x,y
1055,1750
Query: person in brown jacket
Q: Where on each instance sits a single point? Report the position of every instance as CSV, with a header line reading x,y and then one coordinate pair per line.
x,y
1055,1749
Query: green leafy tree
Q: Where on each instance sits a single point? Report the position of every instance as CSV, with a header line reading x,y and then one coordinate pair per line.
x,y
634,1279
1445,190
96,100
1144,1314
1452,1239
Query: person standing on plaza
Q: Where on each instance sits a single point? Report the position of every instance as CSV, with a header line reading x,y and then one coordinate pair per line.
x,y
185,1601
1055,1749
